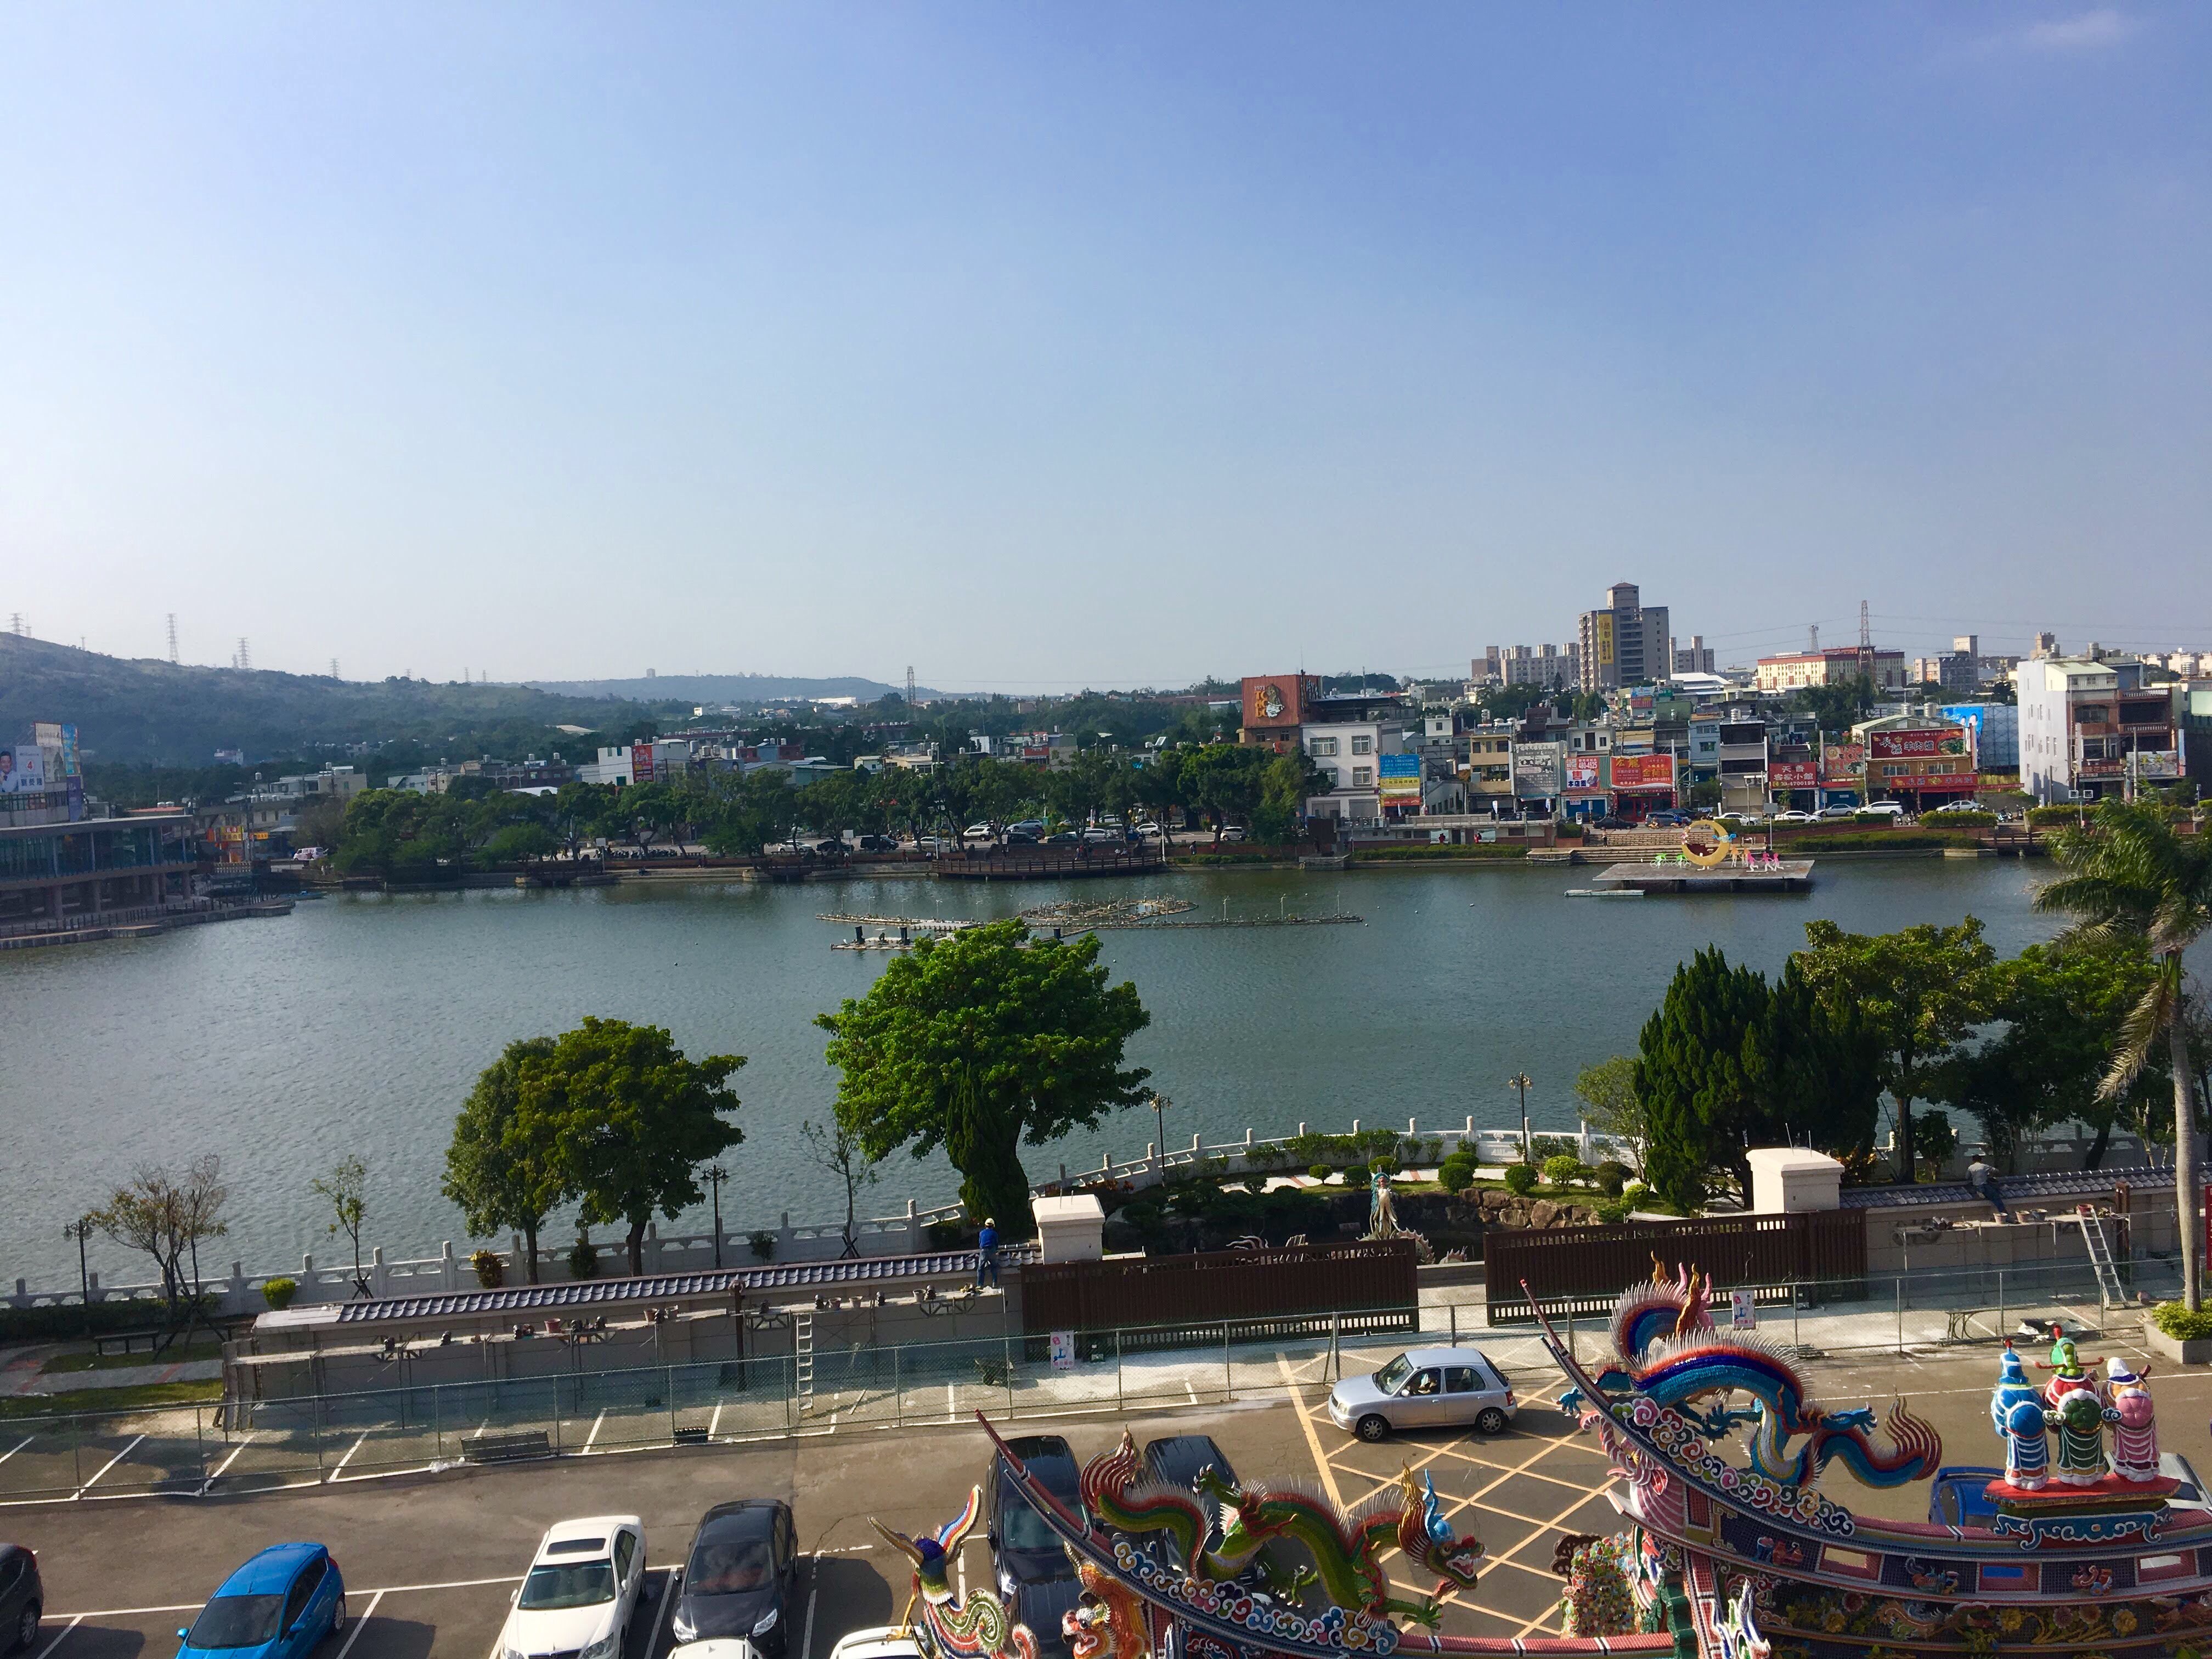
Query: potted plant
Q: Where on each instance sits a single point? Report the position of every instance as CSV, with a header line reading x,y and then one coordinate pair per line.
x,y
2186,1338
278,1293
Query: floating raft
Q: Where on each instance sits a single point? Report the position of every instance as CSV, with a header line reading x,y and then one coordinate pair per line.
x,y
912,924
1789,876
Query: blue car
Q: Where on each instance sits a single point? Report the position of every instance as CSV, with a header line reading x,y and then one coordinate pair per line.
x,y
277,1606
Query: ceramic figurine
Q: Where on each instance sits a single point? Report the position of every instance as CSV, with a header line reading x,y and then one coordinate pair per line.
x,y
2016,1413
2135,1423
2081,1439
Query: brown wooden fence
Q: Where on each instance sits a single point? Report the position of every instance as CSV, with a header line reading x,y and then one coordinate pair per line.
x,y
1219,1286
1578,1270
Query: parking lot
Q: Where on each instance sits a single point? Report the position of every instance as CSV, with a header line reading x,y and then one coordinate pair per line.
x,y
430,1559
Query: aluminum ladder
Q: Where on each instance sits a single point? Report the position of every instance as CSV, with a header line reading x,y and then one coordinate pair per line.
x,y
802,1351
2100,1257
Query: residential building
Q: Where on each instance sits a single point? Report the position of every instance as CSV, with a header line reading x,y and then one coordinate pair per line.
x,y
80,873
1739,749
1626,643
1695,658
1349,754
1922,760
1274,706
1796,671
1490,766
1522,664
1995,727
1054,750
612,767
1959,669
2090,727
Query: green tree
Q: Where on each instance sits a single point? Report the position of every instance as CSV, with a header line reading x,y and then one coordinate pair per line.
x,y
633,1117
1610,1104
1917,993
1691,1082
2132,876
502,1166
837,1150
977,1041
345,1189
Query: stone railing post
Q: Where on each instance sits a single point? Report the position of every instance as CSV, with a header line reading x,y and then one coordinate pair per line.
x,y
448,1267
380,1276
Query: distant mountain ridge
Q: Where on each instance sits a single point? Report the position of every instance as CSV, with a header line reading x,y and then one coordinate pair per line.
x,y
729,688
140,709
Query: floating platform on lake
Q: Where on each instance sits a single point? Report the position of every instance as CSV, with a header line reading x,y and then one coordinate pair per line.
x,y
1049,863
912,924
1789,876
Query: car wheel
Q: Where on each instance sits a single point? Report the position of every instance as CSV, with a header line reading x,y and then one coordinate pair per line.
x,y
1371,1428
1490,1421
338,1615
26,1627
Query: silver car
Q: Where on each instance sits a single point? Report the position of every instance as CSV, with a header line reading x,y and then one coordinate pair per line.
x,y
1424,1388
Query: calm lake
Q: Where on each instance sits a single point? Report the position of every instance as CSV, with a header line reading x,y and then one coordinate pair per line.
x,y
357,1024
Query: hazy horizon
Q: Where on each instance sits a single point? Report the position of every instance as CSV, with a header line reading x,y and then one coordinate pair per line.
x,y
1045,349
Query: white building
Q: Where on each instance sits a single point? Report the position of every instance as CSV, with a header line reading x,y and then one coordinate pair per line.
x,y
2089,727
1345,752
613,766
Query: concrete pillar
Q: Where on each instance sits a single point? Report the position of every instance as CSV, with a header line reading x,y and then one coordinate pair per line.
x,y
447,1267
378,1279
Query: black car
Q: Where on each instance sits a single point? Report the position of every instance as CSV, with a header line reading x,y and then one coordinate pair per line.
x,y
22,1598
740,1577
877,844
1177,1458
1035,1577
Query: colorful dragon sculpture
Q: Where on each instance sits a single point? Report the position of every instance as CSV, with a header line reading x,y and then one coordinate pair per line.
x,y
1669,1352
1346,1549
1107,1621
973,1626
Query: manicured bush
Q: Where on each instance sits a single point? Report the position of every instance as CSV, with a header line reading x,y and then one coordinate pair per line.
x,y
1356,1175
1320,1171
72,1318
1563,1169
1612,1178
1634,1194
583,1259
278,1293
1457,1172
1385,1163
1521,1178
1613,1211
491,1271
1542,1147
2182,1326
945,1235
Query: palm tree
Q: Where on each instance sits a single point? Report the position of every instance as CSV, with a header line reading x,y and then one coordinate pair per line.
x,y
2131,877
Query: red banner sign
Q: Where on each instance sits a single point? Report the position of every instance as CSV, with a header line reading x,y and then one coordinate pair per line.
x,y
1793,775
1909,745
1643,772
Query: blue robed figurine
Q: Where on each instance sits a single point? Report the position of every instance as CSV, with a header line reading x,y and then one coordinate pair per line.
x,y
2016,1412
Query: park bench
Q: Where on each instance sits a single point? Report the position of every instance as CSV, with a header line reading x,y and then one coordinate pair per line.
x,y
505,1448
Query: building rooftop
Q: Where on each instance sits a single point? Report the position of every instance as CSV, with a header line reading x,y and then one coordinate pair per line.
x,y
2016,1190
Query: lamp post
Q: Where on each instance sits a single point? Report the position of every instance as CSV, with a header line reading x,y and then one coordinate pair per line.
x,y
81,1230
1160,1104
716,1175
1523,1082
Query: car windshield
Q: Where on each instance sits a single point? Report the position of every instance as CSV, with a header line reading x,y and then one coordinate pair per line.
x,y
569,1584
730,1566
1393,1374
1020,1526
237,1621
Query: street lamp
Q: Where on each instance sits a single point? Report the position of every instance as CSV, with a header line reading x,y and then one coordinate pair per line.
x,y
716,1175
1523,1082
79,1229
1160,1104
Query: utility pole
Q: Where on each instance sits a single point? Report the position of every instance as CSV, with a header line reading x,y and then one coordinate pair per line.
x,y
716,1175
334,668
1523,1082
173,636
18,626
244,654
79,1229
1160,1104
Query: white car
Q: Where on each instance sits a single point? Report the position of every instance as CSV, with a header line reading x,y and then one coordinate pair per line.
x,y
1796,817
979,832
1888,809
581,1591
878,1642
1424,1388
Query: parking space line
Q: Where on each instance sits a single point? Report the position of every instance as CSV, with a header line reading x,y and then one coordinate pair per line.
x,y
104,1468
62,1637
17,1447
591,1438
813,1586
354,1635
1313,1440
229,1460
667,1601
716,1421
348,1458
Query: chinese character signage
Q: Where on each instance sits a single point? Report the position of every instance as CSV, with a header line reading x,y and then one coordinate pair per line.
x,y
1643,773
1400,776
641,763
1604,639
1842,763
1914,745
1793,775
1536,770
1582,773
22,769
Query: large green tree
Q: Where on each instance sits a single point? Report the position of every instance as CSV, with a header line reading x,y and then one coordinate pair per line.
x,y
503,1166
1917,993
632,1118
2129,875
979,1040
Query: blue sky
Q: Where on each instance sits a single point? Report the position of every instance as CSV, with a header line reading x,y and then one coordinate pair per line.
x,y
1046,346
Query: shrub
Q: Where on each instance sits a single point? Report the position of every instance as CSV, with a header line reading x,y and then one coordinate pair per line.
x,y
1561,1170
1432,1151
583,1259
2182,1326
1612,1178
1634,1194
491,1271
1320,1171
278,1293
762,1242
1613,1211
1456,1172
1521,1178
1544,1146
1355,1175
1385,1163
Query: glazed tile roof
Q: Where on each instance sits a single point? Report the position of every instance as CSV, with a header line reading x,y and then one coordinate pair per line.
x,y
2018,1191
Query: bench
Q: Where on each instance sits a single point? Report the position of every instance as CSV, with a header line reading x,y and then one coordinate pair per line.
x,y
505,1448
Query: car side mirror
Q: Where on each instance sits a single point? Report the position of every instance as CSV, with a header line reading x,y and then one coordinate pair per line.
x,y
182,1634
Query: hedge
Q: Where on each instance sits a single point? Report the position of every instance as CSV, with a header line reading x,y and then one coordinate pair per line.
x,y
68,1320
2182,1326
1485,850
1890,840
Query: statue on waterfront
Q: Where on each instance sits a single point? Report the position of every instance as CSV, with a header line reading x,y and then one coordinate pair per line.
x,y
2135,1422
1382,1208
2016,1413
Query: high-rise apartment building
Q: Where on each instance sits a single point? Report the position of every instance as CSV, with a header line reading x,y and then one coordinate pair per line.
x,y
1522,664
1695,658
1627,643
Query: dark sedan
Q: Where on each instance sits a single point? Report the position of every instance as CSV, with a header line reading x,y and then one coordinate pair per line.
x,y
738,1577
1034,1575
22,1598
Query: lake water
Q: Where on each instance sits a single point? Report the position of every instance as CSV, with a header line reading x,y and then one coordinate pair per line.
x,y
357,1024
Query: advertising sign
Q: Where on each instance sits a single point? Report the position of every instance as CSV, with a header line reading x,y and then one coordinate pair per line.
x,y
641,763
1914,745
1063,1351
22,769
1793,775
1400,776
1581,772
1604,639
1843,762
1536,770
2156,763
1642,773
1743,1315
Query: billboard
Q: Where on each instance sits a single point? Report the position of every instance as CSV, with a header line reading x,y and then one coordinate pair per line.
x,y
22,770
1536,770
1793,775
1604,639
641,763
1582,773
2156,762
1400,776
1644,774
59,741
1842,763
1274,699
1922,744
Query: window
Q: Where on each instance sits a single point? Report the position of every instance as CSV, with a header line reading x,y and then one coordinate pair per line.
x,y
1362,745
1323,747
1460,1379
303,1591
555,1584
625,1553
237,1621
1424,1382
1363,777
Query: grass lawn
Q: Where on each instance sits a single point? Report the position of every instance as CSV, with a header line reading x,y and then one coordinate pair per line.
x,y
109,1399
173,1354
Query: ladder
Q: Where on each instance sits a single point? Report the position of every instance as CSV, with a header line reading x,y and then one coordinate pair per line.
x,y
802,1350
2100,1257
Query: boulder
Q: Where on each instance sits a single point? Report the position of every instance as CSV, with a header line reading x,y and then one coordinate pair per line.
x,y
1543,1212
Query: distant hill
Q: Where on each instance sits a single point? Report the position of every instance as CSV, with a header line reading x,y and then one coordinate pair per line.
x,y
147,712
729,688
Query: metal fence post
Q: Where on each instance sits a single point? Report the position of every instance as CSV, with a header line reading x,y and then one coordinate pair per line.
x,y
1333,1371
671,1369
318,1437
2002,1326
1228,1380
1454,1306
437,1423
76,1451
1120,1389
1896,1293
199,1443
898,1398
1797,1338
